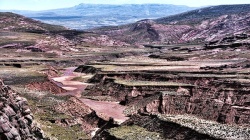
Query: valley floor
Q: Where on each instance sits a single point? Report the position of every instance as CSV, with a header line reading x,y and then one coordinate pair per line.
x,y
176,92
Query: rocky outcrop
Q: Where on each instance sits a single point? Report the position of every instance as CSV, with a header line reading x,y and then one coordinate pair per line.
x,y
16,119
224,101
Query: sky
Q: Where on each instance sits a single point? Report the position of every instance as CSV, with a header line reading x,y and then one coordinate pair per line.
x,y
54,4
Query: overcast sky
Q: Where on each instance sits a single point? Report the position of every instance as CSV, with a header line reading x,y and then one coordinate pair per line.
x,y
54,4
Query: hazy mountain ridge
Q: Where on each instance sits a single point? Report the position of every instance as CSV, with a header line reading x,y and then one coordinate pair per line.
x,y
85,16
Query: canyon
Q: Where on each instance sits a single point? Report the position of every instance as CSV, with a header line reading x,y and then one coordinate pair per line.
x,y
170,78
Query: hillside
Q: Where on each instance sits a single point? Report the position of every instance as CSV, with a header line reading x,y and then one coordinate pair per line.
x,y
14,22
26,34
85,16
198,15
198,26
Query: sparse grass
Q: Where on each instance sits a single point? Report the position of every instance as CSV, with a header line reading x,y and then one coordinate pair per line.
x,y
207,75
137,67
214,129
52,115
151,83
83,78
165,93
134,132
21,76
101,98
54,131
133,64
15,37
242,81
41,104
244,71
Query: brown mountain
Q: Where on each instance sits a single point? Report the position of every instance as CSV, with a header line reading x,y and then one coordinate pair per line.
x,y
206,24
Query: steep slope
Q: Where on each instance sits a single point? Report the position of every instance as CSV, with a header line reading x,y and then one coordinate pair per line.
x,y
198,26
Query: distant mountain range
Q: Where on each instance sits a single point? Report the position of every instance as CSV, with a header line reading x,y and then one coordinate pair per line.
x,y
196,26
86,16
